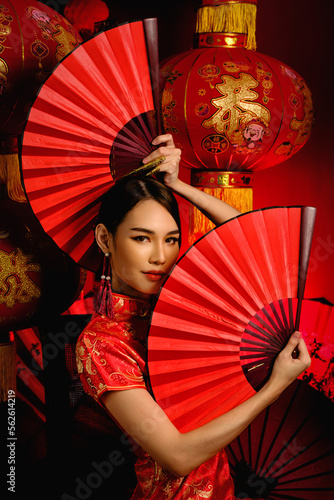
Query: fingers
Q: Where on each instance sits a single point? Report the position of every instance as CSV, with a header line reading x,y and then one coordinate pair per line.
x,y
167,142
165,138
303,354
171,160
288,366
296,347
293,342
171,153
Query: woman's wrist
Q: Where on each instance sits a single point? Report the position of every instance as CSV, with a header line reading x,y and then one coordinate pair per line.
x,y
180,187
272,390
198,198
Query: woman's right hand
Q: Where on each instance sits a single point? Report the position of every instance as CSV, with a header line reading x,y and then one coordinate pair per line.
x,y
170,167
286,367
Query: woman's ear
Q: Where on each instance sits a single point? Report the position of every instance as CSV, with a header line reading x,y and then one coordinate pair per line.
x,y
103,237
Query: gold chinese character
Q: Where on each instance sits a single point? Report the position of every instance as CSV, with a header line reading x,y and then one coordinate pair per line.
x,y
15,284
235,105
223,179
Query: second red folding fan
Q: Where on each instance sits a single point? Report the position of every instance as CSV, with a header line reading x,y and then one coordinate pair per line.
x,y
92,121
287,452
317,325
226,311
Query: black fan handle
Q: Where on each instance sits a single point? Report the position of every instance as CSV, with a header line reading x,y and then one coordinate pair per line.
x,y
151,34
306,233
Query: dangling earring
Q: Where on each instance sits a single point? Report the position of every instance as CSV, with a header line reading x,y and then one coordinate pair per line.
x,y
103,296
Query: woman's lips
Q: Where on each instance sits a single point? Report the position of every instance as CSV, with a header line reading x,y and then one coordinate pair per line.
x,y
153,276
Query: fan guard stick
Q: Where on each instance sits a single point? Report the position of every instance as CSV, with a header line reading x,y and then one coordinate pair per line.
x,y
151,35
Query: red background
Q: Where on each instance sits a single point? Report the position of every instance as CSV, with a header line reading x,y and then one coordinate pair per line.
x,y
298,33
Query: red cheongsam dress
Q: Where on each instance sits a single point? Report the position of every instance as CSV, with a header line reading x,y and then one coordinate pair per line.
x,y
111,356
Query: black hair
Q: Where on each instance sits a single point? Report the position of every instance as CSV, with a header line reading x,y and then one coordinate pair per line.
x,y
127,193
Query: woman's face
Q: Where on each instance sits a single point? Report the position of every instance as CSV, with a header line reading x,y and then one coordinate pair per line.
x,y
143,250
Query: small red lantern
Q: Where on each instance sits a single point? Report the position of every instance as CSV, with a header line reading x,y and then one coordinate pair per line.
x,y
84,15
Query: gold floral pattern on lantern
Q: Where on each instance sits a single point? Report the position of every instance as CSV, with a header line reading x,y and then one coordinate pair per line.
x,y
209,72
52,28
37,280
15,283
5,27
33,39
215,143
4,85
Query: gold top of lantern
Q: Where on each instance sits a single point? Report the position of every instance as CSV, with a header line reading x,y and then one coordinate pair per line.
x,y
236,17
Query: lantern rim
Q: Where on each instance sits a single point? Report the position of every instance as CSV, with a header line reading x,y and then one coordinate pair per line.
x,y
222,39
215,3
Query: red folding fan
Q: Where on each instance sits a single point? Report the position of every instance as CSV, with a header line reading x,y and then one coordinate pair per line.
x,y
92,122
288,451
226,311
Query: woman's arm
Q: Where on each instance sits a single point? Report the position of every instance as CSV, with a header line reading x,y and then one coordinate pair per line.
x,y
216,210
141,417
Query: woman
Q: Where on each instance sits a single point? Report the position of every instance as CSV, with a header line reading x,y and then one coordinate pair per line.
x,y
141,234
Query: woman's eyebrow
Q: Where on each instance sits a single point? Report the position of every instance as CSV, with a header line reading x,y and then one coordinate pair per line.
x,y
141,230
176,231
149,231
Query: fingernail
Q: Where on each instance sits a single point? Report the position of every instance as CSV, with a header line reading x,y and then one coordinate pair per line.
x,y
296,335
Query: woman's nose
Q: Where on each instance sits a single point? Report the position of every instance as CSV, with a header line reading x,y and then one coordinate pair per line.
x,y
158,255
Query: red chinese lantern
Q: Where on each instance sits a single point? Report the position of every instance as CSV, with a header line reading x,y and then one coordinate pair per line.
x,y
37,280
84,15
34,38
229,107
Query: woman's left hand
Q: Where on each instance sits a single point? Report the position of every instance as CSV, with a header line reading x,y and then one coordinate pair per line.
x,y
288,367
173,156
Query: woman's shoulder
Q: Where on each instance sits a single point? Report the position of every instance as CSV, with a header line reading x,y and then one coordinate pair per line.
x,y
98,322
106,360
100,326
99,335
106,335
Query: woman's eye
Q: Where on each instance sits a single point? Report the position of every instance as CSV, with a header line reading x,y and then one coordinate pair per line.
x,y
172,240
141,238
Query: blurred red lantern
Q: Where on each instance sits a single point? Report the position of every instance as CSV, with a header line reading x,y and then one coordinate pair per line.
x,y
230,107
84,15
34,38
37,280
